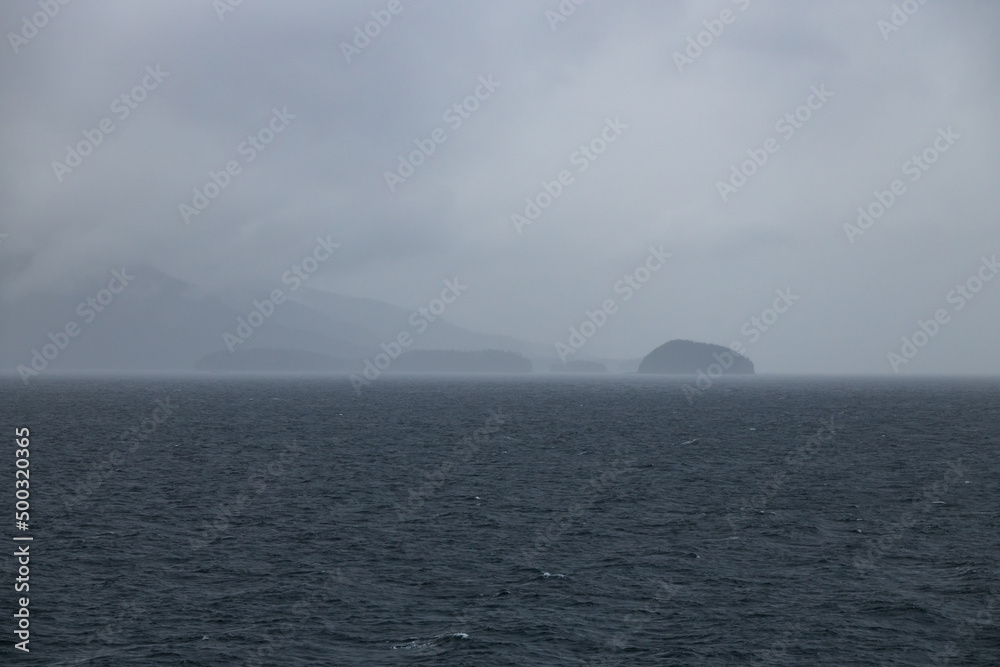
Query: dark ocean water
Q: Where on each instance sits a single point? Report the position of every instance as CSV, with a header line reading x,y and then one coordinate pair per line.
x,y
508,522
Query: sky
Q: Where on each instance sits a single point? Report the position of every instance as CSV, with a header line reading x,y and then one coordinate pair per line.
x,y
728,144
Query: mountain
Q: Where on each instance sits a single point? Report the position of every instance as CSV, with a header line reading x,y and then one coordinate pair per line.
x,y
155,322
386,322
687,357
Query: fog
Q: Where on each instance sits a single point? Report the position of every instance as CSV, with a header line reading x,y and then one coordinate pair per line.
x,y
814,181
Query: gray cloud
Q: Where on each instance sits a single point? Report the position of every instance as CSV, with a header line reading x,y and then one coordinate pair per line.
x,y
656,184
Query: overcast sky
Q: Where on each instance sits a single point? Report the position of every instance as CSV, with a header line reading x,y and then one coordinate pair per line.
x,y
680,117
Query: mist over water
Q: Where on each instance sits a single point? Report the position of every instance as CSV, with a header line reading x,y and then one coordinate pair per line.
x,y
812,183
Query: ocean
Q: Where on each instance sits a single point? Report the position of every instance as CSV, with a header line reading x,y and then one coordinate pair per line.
x,y
507,521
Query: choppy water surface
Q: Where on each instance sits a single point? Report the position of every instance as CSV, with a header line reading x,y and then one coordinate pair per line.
x,y
511,522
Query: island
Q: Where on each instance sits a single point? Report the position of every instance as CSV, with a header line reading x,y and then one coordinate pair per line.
x,y
687,357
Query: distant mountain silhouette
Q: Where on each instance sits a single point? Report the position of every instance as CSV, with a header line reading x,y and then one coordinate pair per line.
x,y
579,366
460,361
385,321
687,357
160,323
263,360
